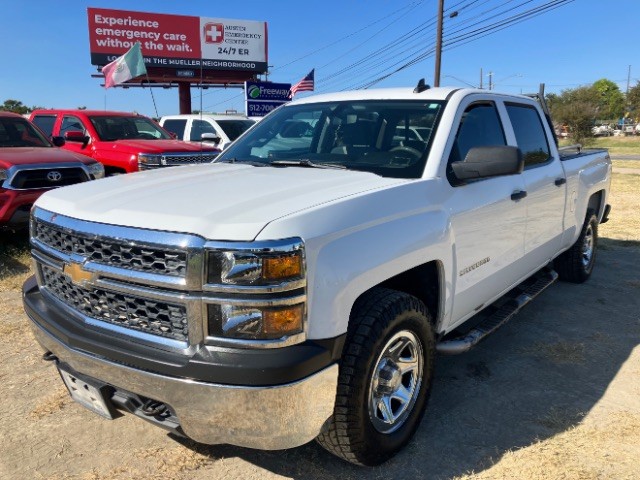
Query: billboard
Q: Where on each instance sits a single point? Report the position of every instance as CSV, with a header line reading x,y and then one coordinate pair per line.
x,y
262,97
178,41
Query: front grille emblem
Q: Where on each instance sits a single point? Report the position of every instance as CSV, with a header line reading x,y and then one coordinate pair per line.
x,y
54,176
77,274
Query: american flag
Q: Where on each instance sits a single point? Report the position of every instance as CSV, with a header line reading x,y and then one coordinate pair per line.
x,y
304,85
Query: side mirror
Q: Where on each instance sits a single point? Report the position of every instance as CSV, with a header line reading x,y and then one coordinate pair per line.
x,y
76,137
484,162
212,137
58,141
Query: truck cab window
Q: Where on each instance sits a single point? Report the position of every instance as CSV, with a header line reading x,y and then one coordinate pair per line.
x,y
71,124
45,123
176,126
530,134
480,126
198,128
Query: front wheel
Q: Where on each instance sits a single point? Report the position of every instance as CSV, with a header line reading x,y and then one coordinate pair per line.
x,y
385,378
576,264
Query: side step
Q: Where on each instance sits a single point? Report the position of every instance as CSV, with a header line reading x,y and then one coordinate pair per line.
x,y
520,296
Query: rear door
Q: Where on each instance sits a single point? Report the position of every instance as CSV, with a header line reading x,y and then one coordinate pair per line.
x,y
544,182
487,224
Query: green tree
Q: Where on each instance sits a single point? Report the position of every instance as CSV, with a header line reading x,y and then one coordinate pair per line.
x,y
633,100
14,106
610,100
577,108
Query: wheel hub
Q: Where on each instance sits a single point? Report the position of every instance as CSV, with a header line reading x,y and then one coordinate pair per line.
x,y
395,382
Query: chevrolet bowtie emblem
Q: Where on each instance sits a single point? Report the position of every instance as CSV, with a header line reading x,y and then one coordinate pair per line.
x,y
76,273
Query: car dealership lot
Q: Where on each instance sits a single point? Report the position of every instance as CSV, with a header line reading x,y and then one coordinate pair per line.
x,y
554,394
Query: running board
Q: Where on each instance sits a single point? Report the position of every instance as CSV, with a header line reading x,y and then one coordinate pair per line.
x,y
521,295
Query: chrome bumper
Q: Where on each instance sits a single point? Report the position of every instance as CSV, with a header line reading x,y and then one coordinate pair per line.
x,y
267,418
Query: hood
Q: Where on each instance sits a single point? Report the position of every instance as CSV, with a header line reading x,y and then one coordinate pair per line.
x,y
156,146
215,201
38,155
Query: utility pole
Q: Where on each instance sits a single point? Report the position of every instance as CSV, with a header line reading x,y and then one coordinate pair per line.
x,y
628,78
490,80
436,75
481,87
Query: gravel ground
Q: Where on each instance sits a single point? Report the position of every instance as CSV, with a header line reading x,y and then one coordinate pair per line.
x,y
553,394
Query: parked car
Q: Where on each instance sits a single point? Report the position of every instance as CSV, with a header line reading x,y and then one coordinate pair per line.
x,y
31,165
303,283
122,142
216,129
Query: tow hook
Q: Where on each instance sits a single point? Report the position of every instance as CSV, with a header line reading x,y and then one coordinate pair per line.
x,y
151,408
49,357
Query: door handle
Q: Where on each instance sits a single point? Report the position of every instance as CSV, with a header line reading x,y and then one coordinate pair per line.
x,y
560,181
519,195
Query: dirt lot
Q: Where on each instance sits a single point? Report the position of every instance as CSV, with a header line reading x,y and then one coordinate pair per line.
x,y
555,394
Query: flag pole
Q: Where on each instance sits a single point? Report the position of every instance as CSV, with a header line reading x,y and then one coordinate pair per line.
x,y
152,97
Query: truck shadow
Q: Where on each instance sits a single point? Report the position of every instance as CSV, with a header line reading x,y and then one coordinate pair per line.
x,y
536,377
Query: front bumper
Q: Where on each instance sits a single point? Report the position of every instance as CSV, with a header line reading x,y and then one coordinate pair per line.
x,y
268,418
267,399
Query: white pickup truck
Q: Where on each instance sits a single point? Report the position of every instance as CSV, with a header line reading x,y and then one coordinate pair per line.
x,y
300,287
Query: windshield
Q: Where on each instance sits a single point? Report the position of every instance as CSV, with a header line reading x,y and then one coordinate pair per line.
x,y
373,136
18,132
234,128
129,128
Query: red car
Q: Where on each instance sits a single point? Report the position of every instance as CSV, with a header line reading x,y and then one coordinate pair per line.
x,y
122,142
30,165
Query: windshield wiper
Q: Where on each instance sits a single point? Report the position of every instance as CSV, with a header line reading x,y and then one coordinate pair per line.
x,y
306,163
234,160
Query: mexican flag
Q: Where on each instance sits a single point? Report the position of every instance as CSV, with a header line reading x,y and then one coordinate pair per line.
x,y
126,67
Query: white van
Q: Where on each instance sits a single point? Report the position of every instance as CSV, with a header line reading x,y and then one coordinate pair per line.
x,y
218,129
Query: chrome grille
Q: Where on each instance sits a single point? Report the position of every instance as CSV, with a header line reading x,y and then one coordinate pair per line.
x,y
170,159
107,251
128,311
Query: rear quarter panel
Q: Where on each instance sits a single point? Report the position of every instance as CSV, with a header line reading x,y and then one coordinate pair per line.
x,y
587,174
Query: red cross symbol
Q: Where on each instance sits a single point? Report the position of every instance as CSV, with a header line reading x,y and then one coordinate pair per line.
x,y
213,33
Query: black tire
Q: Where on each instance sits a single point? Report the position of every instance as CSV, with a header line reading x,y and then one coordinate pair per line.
x,y
576,264
381,320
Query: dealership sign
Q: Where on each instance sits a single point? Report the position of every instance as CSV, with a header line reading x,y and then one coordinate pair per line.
x,y
262,97
178,41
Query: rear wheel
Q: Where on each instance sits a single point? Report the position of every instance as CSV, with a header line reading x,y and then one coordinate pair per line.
x,y
385,378
576,264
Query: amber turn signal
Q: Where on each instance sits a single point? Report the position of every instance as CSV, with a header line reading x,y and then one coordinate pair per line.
x,y
283,321
283,267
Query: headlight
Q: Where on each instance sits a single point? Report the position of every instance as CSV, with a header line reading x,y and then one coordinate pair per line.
x,y
3,174
269,266
148,160
266,282
96,170
254,322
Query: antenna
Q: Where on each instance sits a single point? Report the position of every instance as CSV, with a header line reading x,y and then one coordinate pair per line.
x,y
421,87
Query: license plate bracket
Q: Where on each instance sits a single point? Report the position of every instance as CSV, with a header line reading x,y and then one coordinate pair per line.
x,y
88,392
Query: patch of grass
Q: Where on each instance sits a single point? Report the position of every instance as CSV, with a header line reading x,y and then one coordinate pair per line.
x,y
621,165
51,404
15,260
559,419
560,352
615,145
624,221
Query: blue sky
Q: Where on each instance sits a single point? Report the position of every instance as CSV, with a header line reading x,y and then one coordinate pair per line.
x,y
45,54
